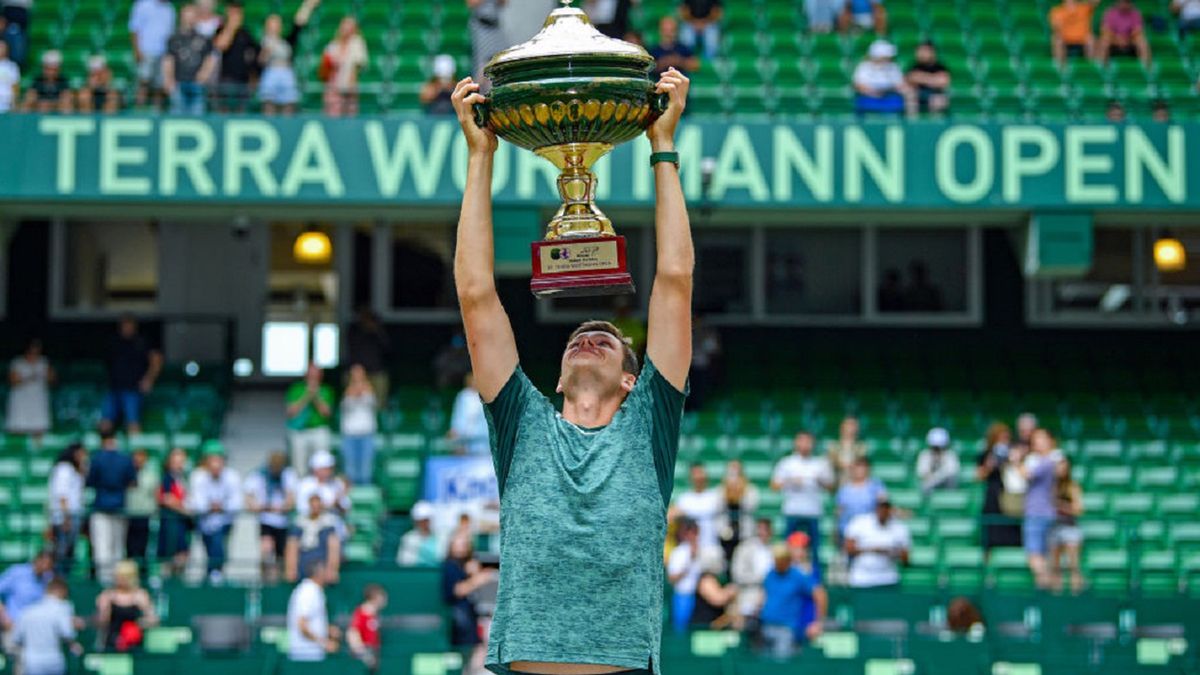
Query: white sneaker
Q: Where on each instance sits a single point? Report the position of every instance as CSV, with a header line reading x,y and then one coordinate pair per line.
x,y
215,578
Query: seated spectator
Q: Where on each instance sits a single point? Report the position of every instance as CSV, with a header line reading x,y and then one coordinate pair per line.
x,y
216,495
98,95
752,561
188,66
29,379
420,546
1114,112
124,611
1039,471
65,498
794,604
701,19
823,15
683,572
462,575
878,82
964,618
712,597
864,15
278,89
930,81
842,453
435,93
1160,111
10,80
237,53
1071,25
341,62
359,409
1188,12
151,25
1066,539
363,635
876,543
937,464
314,538
1122,33
22,585
468,422
141,503
859,494
324,483
50,92
174,515
271,493
669,52
309,412
309,635
44,629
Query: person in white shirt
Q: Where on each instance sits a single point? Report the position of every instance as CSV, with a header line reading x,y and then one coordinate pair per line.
x,y
684,568
329,487
752,561
937,464
29,375
66,504
421,546
151,24
271,493
215,492
877,544
10,80
359,424
878,82
1189,15
42,631
468,424
310,637
804,480
703,505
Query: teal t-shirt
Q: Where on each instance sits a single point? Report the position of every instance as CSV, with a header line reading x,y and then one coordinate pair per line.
x,y
582,524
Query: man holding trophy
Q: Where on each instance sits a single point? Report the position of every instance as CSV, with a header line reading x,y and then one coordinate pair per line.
x,y
584,492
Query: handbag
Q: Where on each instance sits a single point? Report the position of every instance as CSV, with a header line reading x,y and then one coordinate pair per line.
x,y
1012,499
1012,504
325,70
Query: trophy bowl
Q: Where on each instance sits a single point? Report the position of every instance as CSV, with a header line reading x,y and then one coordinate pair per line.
x,y
570,94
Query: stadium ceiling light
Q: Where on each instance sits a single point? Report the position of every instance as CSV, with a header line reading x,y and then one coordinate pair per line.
x,y
312,247
1169,254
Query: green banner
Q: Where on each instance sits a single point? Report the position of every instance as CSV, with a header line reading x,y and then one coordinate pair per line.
x,y
410,161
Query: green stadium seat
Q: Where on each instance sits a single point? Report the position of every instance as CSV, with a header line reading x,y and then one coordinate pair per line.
x,y
964,567
1107,570
1158,478
1184,536
1158,573
1108,478
1134,505
952,502
1008,570
1178,506
1099,529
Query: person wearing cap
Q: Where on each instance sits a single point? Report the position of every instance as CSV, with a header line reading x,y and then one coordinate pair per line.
x,y
271,493
10,80
877,543
805,481
50,92
97,93
277,89
310,405
878,83
421,546
863,15
151,24
937,464
794,601
435,93
110,474
216,495
330,488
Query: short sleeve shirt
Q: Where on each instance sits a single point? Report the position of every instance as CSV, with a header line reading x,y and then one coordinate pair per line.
x,y
308,417
189,51
700,9
875,569
1122,23
367,626
129,358
878,76
9,76
1073,24
803,480
307,602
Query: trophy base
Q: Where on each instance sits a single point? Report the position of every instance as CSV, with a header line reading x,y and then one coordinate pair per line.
x,y
568,268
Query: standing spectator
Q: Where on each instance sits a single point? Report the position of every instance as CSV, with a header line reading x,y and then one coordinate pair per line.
x,y
794,604
752,561
670,52
1066,539
804,481
10,80
420,546
823,15
359,424
740,503
66,504
124,611
133,368
141,502
876,542
1189,15
98,95
1071,24
843,452
1027,423
188,66
29,379
368,344
937,464
310,637
16,14
43,630
890,295
683,572
702,504
997,529
237,52
462,575
271,493
363,636
435,93
277,89
864,15
345,55
208,22
611,17
930,82
326,485
487,37
111,473
314,538
216,495
468,422
859,494
1039,469
701,19
151,24
878,82
50,92
174,515
1122,33
309,410
22,585
712,597
706,361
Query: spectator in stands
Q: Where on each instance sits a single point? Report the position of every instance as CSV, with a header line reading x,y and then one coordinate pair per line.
x,y
141,502
22,585
858,495
683,572
452,362
794,604
30,377
309,411
368,344
610,17
435,93
1114,112
421,546
110,474
50,92
864,15
462,575
208,22
1122,33
876,543
712,597
921,295
188,66
314,538
823,15
343,58
1027,423
359,409
65,497
133,367
151,24
271,493
752,561
310,636
363,635
989,468
1066,538
890,295
17,13
804,481
929,81
1071,24
740,502
468,423
1160,111
326,485
238,54
98,95
216,495
278,90
843,452
634,37
1039,470
706,361
669,52
1188,12
124,611
937,464
487,37
10,80
174,515
702,504
701,19
43,630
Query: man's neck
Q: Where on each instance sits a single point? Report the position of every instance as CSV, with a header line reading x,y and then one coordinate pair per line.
x,y
590,409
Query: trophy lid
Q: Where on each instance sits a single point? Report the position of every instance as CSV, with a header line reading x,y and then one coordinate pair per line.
x,y
569,32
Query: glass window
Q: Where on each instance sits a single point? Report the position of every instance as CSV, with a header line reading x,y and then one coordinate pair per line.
x,y
722,276
921,270
325,345
285,348
814,272
422,275
110,266
1107,286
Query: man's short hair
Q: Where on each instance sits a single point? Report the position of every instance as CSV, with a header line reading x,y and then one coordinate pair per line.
x,y
372,591
313,568
629,362
58,586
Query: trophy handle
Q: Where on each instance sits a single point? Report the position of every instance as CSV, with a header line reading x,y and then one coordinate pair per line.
x,y
481,112
660,103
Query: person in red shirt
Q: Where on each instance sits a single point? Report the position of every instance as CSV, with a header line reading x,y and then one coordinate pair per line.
x,y
363,636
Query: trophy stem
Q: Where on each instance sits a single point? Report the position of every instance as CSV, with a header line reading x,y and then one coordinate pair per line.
x,y
578,216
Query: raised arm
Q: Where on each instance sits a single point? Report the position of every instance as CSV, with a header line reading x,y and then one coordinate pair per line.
x,y
669,327
489,334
